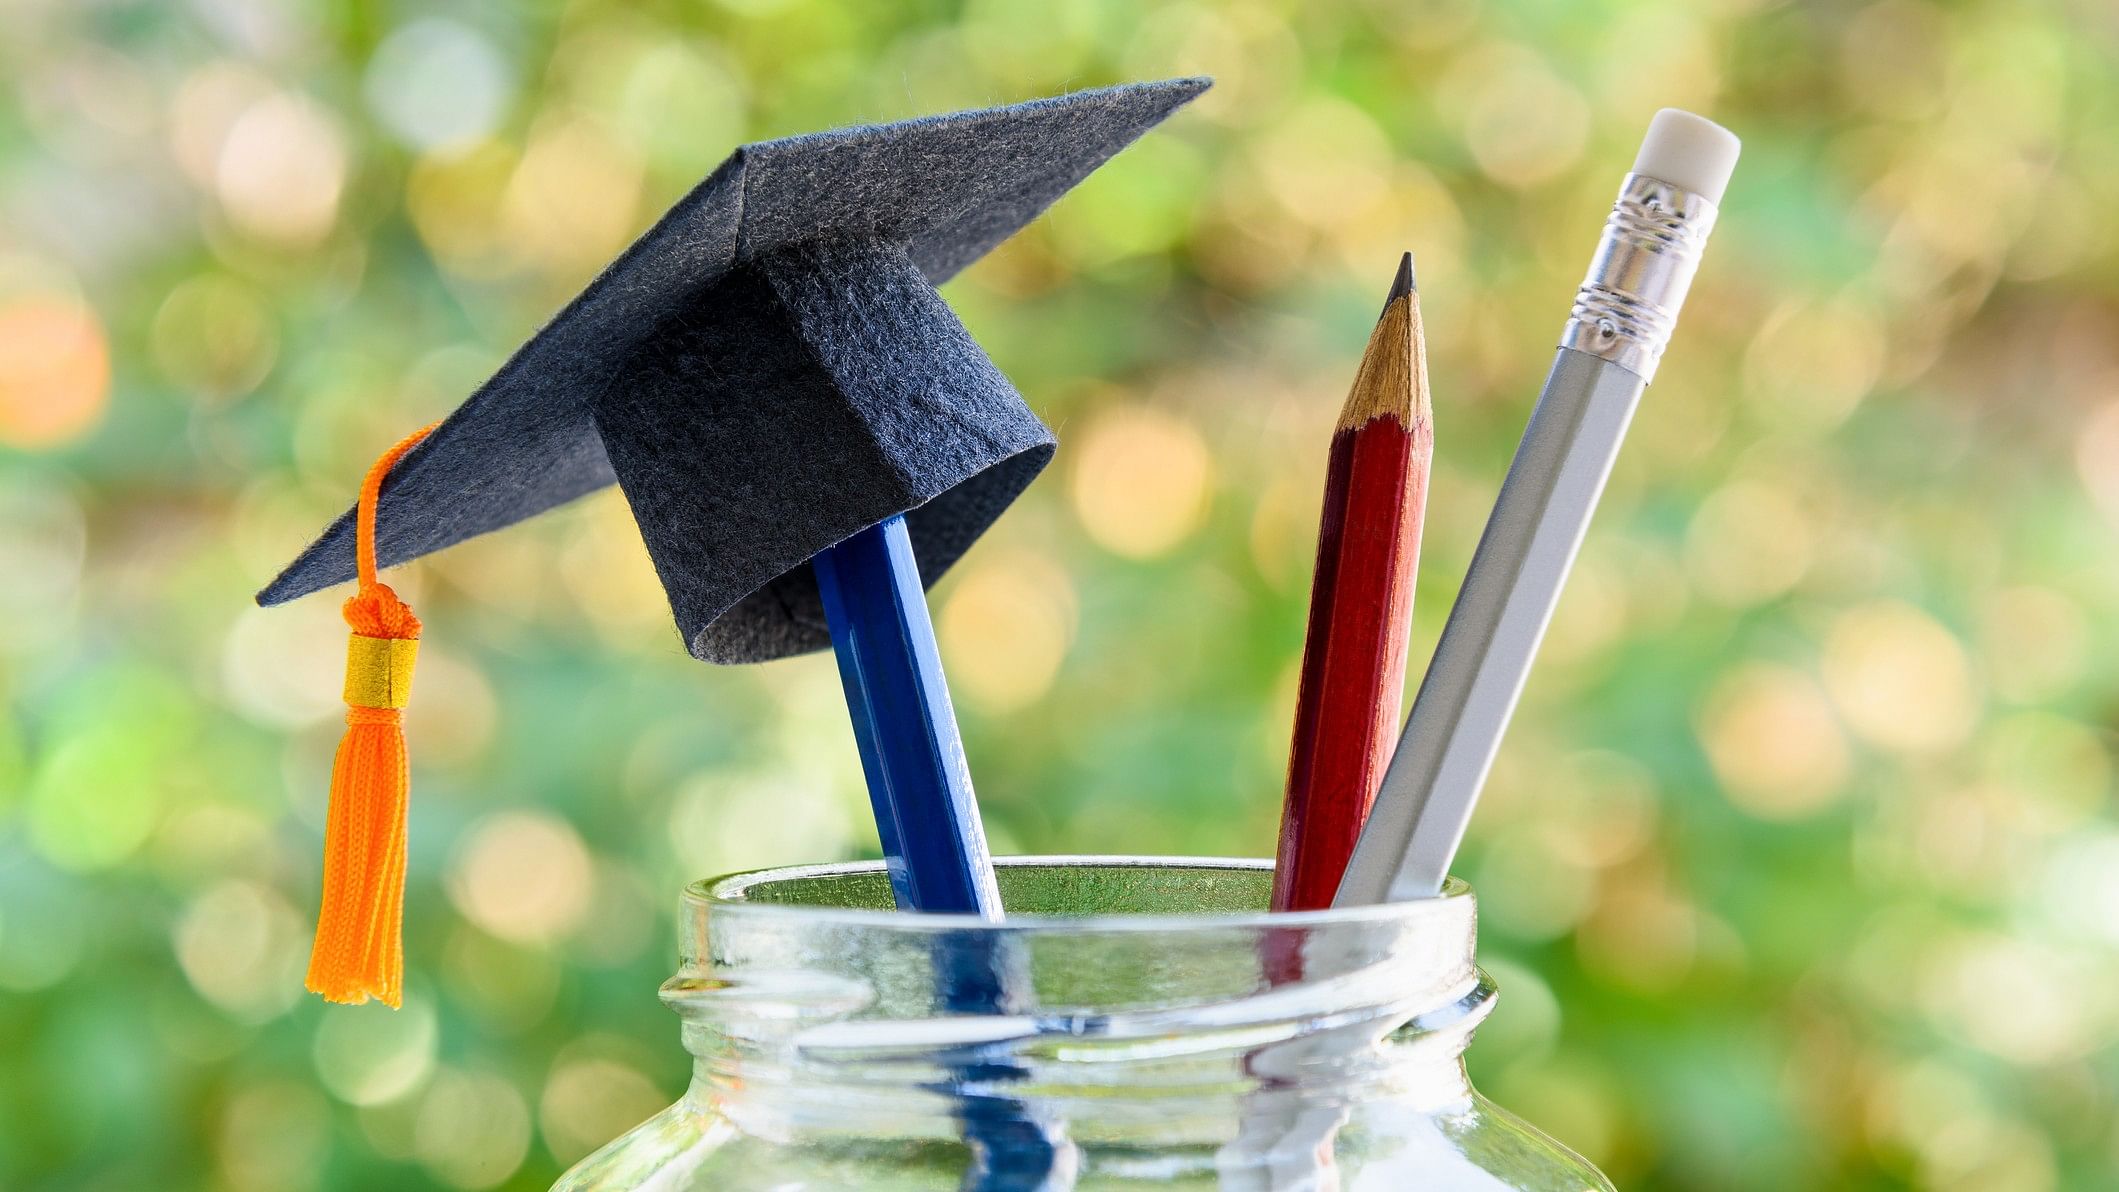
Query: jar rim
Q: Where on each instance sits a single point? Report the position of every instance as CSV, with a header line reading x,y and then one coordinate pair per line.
x,y
730,893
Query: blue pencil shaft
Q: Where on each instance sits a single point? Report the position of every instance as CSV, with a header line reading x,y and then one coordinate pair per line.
x,y
910,751
928,819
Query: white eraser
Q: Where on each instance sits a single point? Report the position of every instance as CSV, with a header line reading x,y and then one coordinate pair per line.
x,y
1689,152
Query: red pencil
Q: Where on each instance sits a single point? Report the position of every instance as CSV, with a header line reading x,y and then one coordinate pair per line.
x,y
1361,606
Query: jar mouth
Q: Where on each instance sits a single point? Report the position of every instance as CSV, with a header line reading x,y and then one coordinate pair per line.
x,y
1115,989
1053,893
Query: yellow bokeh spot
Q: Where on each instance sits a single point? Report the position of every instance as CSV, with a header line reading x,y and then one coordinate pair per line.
x,y
1283,528
285,666
1749,543
54,372
2097,459
1323,161
1006,628
510,987
1590,618
591,1100
455,202
1251,244
212,336
1039,46
95,800
1657,58
1523,124
454,710
243,947
1607,814
1811,364
1894,59
1773,743
570,205
2034,643
606,569
272,1136
2020,1000
681,104
281,168
522,876
1140,478
204,107
1373,235
368,1058
473,1129
1641,936
721,821
1900,679
2055,771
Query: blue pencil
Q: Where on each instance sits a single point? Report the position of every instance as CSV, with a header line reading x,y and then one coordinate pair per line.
x,y
925,811
929,820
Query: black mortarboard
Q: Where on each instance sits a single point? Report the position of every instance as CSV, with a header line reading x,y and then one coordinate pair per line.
x,y
769,371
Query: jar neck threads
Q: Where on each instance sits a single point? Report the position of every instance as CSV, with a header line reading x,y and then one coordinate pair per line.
x,y
809,1011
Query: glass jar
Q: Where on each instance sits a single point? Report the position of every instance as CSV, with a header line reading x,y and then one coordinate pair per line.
x,y
1135,1022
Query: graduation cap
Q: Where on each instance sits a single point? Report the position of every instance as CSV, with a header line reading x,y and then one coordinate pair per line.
x,y
767,373
768,370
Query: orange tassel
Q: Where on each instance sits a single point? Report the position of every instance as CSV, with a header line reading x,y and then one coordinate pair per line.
x,y
359,952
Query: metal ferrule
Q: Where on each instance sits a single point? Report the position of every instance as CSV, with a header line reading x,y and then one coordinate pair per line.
x,y
1628,304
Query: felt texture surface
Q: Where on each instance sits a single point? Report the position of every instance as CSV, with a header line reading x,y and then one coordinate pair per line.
x,y
768,371
826,388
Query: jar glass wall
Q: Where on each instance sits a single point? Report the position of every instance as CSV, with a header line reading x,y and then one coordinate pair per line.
x,y
1136,1022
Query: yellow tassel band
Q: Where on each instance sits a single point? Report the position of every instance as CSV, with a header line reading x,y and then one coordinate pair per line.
x,y
379,670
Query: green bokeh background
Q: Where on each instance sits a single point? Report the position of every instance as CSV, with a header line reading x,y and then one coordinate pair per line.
x,y
1800,869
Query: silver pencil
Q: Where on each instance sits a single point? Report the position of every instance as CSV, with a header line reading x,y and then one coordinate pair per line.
x,y
1622,318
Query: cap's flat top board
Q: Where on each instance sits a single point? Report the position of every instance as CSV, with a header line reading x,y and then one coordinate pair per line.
x,y
941,190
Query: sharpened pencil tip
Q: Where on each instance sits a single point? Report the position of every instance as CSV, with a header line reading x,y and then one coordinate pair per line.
x,y
1393,376
1403,284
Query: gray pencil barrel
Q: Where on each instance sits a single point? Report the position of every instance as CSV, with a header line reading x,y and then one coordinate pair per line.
x,y
1620,322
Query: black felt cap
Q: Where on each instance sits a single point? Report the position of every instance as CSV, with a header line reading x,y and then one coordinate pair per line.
x,y
768,371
